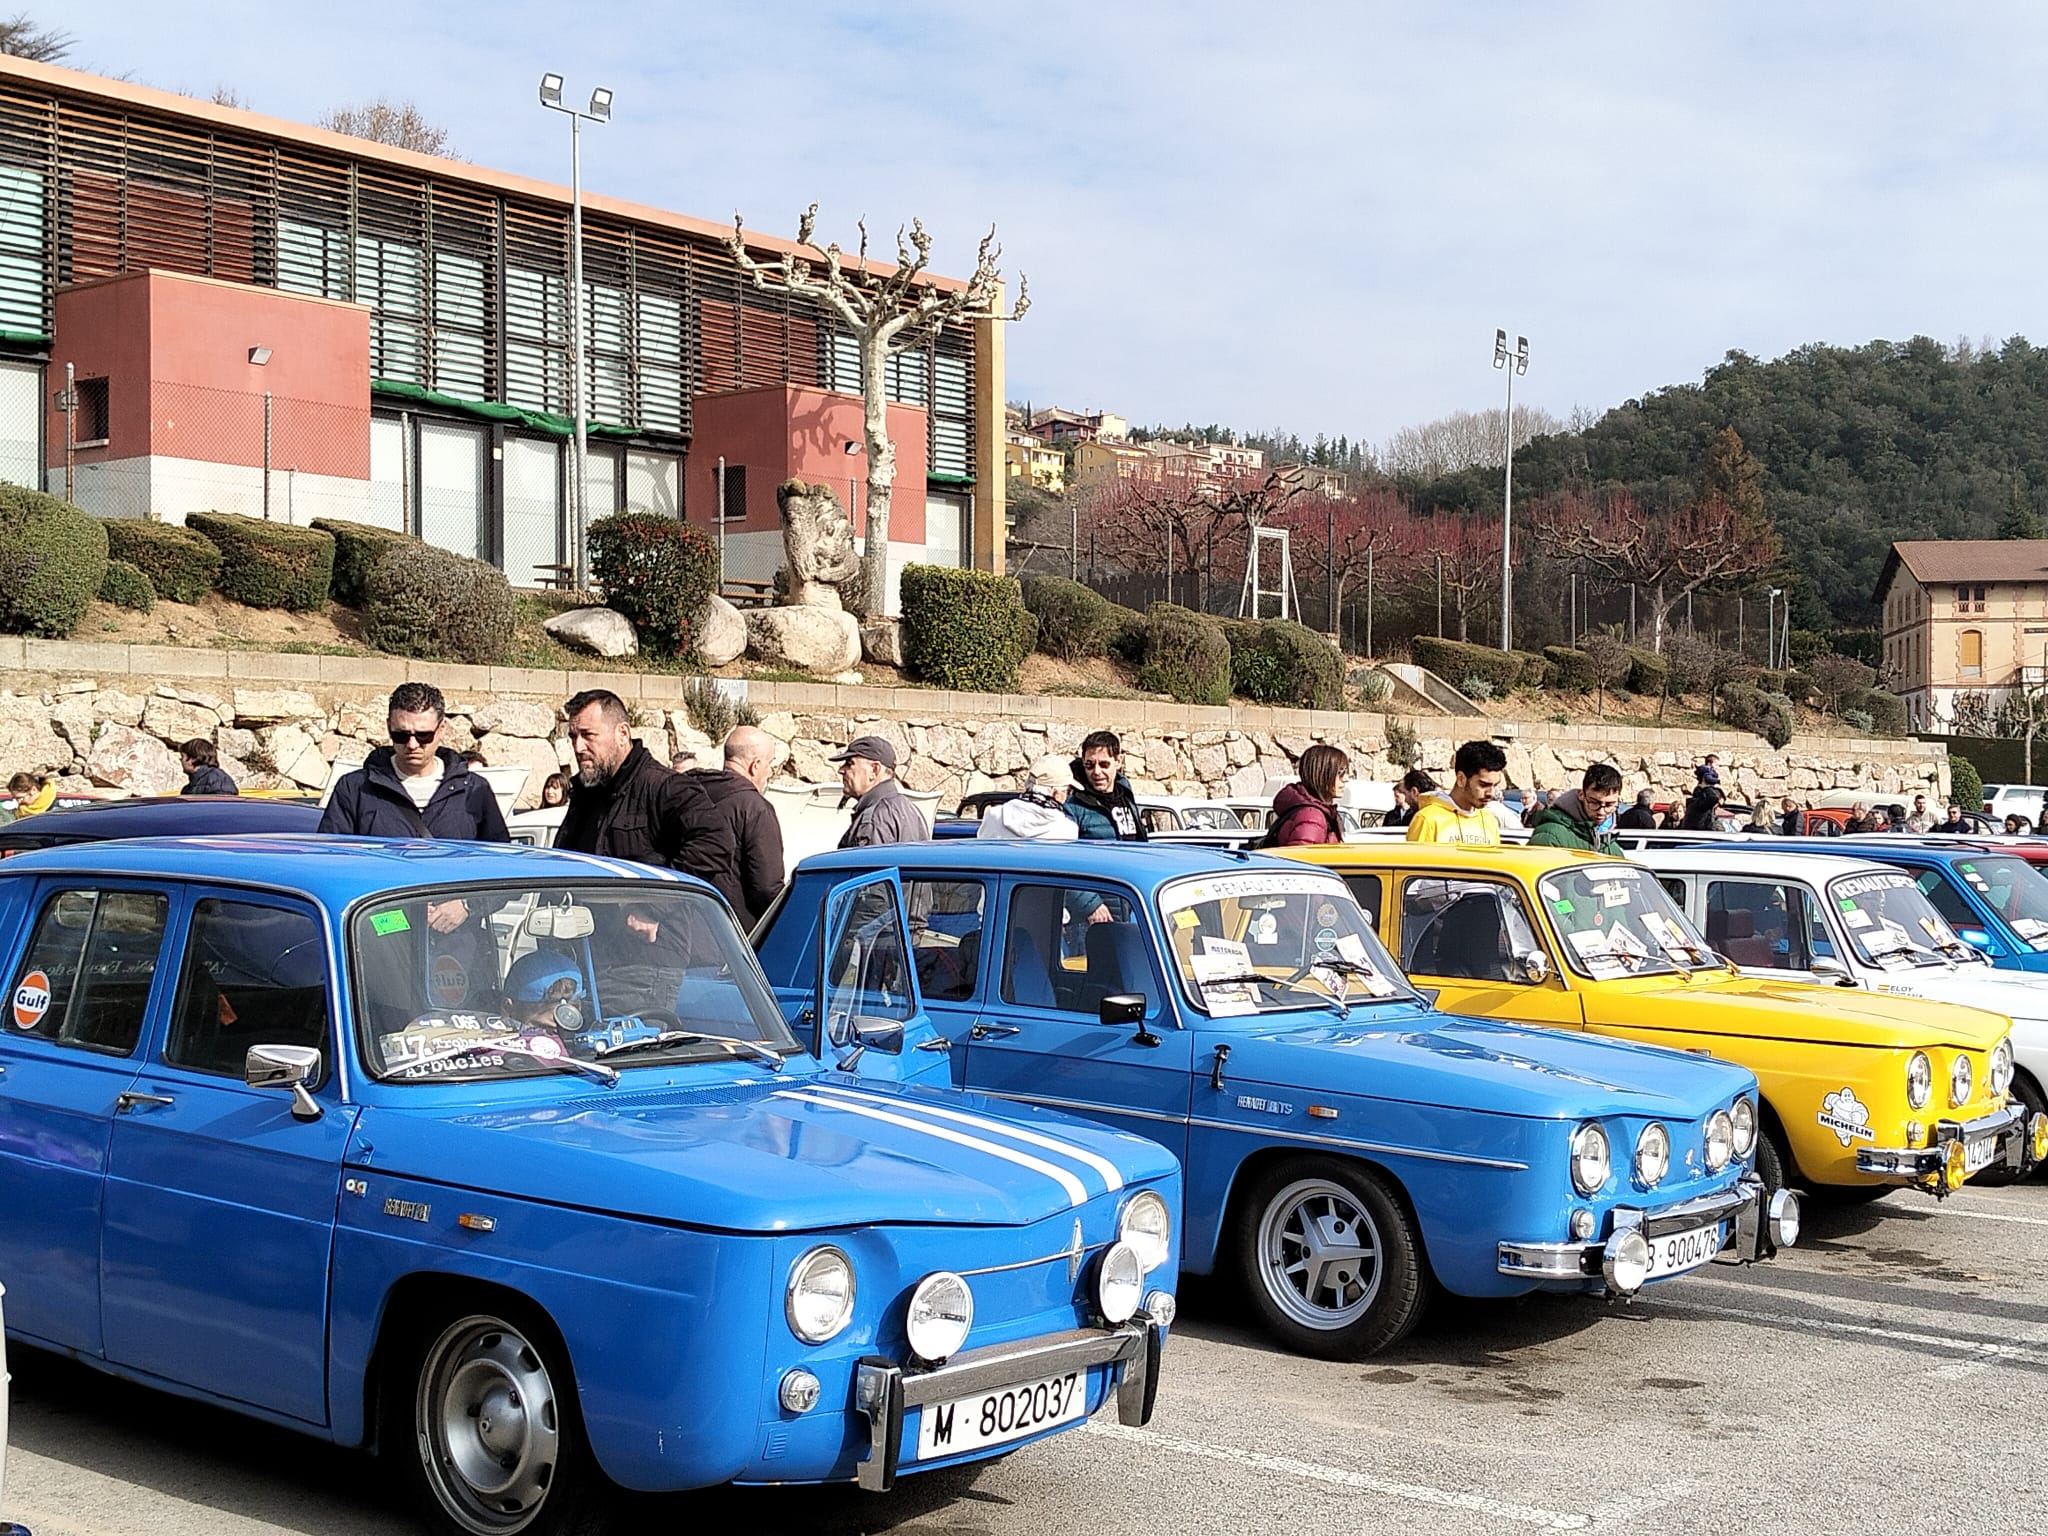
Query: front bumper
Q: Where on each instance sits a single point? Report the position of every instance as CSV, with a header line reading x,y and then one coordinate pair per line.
x,y
1760,1223
884,1390
2008,1128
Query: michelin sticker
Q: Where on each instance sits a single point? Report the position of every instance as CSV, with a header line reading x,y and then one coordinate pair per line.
x,y
1842,1113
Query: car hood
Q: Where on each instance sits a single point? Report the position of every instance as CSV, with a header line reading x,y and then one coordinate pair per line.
x,y
1759,1007
788,1154
1421,1057
2012,993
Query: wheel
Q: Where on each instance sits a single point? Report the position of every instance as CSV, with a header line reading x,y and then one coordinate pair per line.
x,y
1330,1258
494,1444
1771,1160
2028,1094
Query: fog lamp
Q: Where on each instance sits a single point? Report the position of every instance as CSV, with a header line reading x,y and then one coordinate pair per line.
x,y
1582,1224
1952,1166
799,1391
1784,1218
1161,1307
1627,1264
1119,1282
2037,1132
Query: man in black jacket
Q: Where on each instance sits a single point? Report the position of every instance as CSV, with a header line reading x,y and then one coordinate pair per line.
x,y
415,788
203,772
623,803
730,835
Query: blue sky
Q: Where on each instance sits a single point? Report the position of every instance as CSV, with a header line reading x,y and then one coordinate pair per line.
x,y
1296,214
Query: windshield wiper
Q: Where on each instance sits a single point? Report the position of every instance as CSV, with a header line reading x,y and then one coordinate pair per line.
x,y
1254,978
1359,969
733,1046
511,1045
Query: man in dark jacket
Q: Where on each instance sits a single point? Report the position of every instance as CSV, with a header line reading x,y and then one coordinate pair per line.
x,y
203,772
1102,803
1642,816
414,788
1410,790
881,811
1578,818
623,803
730,834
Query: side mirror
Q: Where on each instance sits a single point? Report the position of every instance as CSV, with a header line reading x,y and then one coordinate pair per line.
x,y
1833,969
1978,938
1533,964
1121,1008
285,1066
884,1035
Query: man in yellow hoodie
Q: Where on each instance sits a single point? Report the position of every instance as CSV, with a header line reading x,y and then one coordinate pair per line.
x,y
1465,815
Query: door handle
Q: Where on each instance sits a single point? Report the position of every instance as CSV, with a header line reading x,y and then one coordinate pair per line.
x,y
993,1031
936,1043
129,1098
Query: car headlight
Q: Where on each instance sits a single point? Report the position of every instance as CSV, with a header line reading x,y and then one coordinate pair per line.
x,y
1720,1140
1119,1282
1961,1078
1742,1115
2001,1068
1653,1155
1589,1158
1147,1226
1919,1080
818,1300
941,1312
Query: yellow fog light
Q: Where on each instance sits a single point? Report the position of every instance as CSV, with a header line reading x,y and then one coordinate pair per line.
x,y
2037,1132
1952,1172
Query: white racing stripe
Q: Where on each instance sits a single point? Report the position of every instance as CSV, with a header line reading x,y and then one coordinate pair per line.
x,y
624,867
1111,1177
1076,1194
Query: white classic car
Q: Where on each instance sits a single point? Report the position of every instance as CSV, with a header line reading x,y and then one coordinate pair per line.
x,y
1819,917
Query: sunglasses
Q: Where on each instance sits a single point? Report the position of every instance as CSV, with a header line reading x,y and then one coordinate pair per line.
x,y
417,738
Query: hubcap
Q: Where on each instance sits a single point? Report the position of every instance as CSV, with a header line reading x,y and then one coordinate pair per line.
x,y
488,1426
1320,1254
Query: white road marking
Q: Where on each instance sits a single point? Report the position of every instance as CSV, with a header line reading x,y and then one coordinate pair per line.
x,y
1985,1353
2018,1221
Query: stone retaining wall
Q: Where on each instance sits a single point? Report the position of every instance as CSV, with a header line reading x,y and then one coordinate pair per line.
x,y
111,716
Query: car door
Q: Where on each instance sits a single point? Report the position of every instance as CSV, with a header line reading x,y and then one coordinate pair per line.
x,y
1038,1034
79,995
948,950
866,1001
1767,927
1475,940
220,1198
1966,911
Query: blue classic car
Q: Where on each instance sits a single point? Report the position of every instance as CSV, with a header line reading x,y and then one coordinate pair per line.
x,y
505,1161
1343,1142
1994,899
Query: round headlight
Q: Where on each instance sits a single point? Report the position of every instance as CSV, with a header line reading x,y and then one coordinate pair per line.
x,y
1589,1158
2001,1068
819,1298
1960,1080
1742,1115
1720,1140
1146,1225
1919,1080
941,1312
1119,1282
1627,1262
1653,1155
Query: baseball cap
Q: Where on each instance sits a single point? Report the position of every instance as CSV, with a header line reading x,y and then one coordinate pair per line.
x,y
874,748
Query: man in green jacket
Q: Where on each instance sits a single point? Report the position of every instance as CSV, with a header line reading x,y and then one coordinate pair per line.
x,y
1582,817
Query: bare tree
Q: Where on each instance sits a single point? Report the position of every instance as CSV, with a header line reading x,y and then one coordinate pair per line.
x,y
886,308
22,38
399,124
1462,440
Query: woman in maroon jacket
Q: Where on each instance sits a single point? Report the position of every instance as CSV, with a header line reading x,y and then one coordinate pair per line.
x,y
1306,811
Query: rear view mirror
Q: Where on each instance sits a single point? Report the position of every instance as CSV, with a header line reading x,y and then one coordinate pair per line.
x,y
566,921
884,1035
285,1066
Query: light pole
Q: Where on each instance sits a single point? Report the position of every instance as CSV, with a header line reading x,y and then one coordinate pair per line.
x,y
1771,626
599,111
1512,363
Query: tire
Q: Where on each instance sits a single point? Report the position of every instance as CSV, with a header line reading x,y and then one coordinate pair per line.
x,y
1330,1259
2028,1093
1771,1160
491,1441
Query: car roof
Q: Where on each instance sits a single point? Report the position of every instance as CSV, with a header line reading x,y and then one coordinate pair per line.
x,y
159,816
1750,858
1140,863
1878,850
1524,859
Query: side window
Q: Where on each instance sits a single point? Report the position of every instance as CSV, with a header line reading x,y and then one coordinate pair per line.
x,y
1068,947
252,975
1675,889
1368,890
868,974
947,945
1948,901
1758,924
86,977
1470,929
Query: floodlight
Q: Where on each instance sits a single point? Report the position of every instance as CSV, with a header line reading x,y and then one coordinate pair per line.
x,y
601,104
259,355
551,90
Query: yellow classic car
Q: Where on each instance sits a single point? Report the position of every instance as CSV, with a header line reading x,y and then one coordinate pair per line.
x,y
1861,1092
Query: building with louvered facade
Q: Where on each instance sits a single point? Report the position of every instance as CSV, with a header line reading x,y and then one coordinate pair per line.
x,y
258,316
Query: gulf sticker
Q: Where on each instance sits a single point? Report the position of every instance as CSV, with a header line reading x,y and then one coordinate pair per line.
x,y
31,1000
448,981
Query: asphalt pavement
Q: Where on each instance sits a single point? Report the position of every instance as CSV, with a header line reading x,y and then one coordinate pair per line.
x,y
1887,1376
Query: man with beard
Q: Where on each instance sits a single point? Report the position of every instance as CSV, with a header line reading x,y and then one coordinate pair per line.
x,y
623,803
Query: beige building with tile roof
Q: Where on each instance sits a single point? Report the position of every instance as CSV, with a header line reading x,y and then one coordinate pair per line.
x,y
1963,617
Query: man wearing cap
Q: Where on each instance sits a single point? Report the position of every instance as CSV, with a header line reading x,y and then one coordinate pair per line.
x,y
881,812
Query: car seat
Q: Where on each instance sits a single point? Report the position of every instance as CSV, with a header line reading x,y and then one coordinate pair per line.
x,y
1465,940
1116,962
1731,934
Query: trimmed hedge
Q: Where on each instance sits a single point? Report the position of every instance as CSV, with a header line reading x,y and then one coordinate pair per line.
x,y
52,560
356,548
964,629
1277,661
1751,709
1795,685
180,564
423,601
1073,621
1570,669
657,571
1647,672
1535,670
1187,656
1455,660
127,586
1887,710
1965,783
268,565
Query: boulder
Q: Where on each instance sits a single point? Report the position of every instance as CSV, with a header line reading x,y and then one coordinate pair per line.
x,y
536,756
116,707
74,721
175,721
514,717
881,641
807,639
274,706
297,756
597,630
721,633
126,758
28,740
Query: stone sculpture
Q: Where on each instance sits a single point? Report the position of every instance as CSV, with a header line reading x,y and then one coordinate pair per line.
x,y
817,543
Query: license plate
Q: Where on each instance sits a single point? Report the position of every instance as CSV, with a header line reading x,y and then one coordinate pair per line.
x,y
1008,1413
1677,1252
1979,1153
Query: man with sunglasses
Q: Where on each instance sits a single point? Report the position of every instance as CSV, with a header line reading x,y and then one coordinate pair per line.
x,y
415,787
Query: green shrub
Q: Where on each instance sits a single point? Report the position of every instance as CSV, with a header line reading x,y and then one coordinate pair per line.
x,y
1478,689
657,571
1965,783
180,564
1647,672
1127,640
52,558
1885,711
423,601
1276,661
1187,656
1859,720
964,629
1749,708
1073,621
714,711
1571,670
268,565
356,548
1534,669
1375,688
127,586
1450,659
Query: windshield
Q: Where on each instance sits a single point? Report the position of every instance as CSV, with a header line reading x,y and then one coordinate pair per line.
x,y
1616,921
1891,923
2016,891
471,984
1268,942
